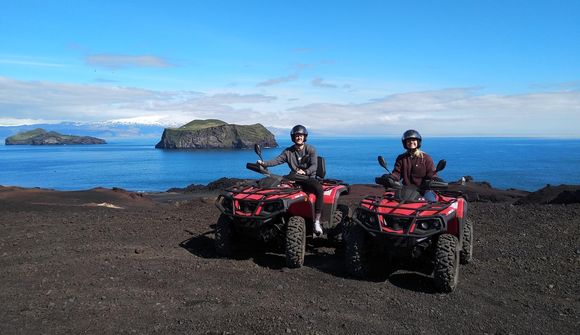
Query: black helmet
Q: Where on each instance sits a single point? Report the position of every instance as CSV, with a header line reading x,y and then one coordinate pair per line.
x,y
411,133
299,129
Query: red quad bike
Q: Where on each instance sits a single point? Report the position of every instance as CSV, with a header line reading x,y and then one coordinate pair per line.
x,y
275,209
401,222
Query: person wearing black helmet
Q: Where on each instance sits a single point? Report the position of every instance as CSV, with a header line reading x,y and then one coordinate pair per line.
x,y
414,165
303,160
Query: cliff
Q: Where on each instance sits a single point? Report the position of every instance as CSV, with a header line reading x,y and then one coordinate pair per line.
x,y
216,134
40,136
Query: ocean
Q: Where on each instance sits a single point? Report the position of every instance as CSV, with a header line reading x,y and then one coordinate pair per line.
x,y
521,163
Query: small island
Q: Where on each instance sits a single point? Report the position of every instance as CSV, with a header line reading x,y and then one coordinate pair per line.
x,y
40,136
216,134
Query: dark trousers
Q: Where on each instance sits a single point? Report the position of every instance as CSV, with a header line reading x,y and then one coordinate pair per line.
x,y
313,186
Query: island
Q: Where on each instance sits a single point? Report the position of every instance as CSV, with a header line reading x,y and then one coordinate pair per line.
x,y
40,136
216,134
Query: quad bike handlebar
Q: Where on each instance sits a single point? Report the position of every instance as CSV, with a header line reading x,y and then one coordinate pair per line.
x,y
388,181
432,184
293,176
257,168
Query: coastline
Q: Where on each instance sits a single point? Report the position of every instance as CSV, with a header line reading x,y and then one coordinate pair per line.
x,y
473,191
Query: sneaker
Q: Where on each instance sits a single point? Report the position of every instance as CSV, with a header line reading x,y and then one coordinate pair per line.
x,y
317,228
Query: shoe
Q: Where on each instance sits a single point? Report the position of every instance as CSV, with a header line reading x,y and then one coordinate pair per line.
x,y
317,228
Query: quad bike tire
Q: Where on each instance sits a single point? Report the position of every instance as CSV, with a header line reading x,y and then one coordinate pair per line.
x,y
295,242
339,217
355,250
446,273
466,253
223,236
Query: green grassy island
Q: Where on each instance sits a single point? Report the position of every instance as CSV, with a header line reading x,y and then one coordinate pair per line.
x,y
40,136
216,134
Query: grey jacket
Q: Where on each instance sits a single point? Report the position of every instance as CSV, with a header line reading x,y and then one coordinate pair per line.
x,y
306,159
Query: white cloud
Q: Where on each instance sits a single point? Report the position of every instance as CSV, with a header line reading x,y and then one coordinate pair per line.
x,y
564,85
454,111
319,82
20,122
28,62
278,80
112,61
47,101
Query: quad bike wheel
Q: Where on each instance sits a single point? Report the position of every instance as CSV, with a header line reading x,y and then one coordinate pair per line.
x,y
338,223
223,236
295,242
466,253
355,251
446,274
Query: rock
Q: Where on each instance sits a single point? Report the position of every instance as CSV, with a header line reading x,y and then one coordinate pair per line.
x,y
216,185
562,194
216,134
482,191
40,136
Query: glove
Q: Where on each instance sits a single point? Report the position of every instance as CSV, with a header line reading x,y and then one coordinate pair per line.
x,y
437,179
389,177
260,162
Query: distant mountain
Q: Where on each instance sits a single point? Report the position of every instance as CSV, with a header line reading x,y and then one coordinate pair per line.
x,y
40,136
105,130
216,134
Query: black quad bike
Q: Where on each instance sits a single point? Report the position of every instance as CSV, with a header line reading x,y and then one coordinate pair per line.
x,y
275,210
402,224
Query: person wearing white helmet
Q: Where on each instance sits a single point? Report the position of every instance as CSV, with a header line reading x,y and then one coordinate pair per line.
x,y
302,159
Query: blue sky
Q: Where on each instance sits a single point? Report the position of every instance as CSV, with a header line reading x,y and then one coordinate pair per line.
x,y
447,68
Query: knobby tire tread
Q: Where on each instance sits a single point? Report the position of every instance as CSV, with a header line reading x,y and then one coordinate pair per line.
x,y
295,242
466,254
355,259
446,271
223,236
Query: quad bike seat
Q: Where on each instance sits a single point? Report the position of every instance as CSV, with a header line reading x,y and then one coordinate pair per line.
x,y
321,170
321,173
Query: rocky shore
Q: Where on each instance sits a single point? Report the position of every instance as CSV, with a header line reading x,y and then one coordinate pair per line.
x,y
111,261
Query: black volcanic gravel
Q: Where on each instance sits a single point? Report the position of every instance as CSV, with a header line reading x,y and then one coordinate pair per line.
x,y
74,269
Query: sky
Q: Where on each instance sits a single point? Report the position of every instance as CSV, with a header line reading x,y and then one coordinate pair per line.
x,y
445,68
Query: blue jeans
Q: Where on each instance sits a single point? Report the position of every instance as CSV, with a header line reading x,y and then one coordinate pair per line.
x,y
430,196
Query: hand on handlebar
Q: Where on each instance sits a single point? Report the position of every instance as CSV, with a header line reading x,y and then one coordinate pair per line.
x,y
260,162
300,171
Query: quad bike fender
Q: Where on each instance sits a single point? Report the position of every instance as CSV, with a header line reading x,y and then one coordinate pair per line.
x,y
219,203
304,206
301,206
330,202
455,226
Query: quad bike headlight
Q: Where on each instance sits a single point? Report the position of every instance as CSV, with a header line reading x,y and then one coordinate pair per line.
x,y
247,206
368,219
425,225
273,206
227,204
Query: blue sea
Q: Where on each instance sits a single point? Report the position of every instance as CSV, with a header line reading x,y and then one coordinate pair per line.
x,y
522,163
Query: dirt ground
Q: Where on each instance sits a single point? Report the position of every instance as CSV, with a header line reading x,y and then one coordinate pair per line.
x,y
112,262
